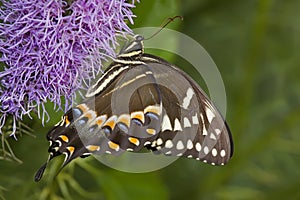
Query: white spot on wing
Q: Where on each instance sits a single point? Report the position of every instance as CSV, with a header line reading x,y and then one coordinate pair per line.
x,y
179,145
195,119
198,146
188,98
223,153
177,126
169,144
186,122
180,154
214,152
218,131
153,143
148,72
212,136
166,124
210,115
206,150
189,144
159,141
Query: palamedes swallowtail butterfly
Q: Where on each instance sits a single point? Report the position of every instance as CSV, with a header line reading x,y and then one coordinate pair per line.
x,y
142,102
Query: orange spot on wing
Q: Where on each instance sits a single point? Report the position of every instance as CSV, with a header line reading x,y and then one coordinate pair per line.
x,y
93,148
90,115
153,109
83,107
100,120
113,146
125,119
111,122
151,131
138,115
67,121
71,149
134,141
64,138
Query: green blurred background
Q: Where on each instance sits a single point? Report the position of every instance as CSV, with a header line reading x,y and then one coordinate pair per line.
x,y
255,45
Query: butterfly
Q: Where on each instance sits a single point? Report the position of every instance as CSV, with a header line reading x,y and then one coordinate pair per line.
x,y
142,102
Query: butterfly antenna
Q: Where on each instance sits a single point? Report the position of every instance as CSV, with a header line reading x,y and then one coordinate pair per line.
x,y
164,24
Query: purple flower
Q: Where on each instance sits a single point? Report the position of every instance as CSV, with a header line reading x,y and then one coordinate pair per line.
x,y
49,48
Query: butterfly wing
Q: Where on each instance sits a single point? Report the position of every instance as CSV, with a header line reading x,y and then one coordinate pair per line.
x,y
185,122
145,102
121,112
192,126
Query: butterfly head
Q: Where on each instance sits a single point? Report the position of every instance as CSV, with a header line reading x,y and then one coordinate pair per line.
x,y
133,49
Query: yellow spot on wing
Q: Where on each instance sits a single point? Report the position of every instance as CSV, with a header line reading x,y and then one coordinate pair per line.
x,y
153,109
100,120
151,131
125,119
134,141
111,122
64,138
90,115
138,115
67,121
71,149
93,148
83,107
113,146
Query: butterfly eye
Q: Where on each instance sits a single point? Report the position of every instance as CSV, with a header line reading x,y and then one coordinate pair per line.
x,y
139,38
